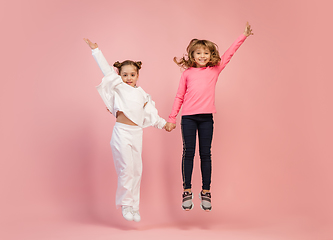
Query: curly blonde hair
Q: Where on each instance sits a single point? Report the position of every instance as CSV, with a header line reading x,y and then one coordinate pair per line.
x,y
119,65
188,61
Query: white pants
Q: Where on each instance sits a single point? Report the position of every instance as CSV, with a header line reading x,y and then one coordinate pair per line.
x,y
126,145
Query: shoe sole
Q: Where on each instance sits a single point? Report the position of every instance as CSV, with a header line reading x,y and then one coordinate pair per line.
x,y
188,209
136,220
128,219
206,210
136,217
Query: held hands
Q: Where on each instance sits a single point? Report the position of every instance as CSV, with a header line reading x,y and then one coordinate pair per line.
x,y
90,44
248,30
169,126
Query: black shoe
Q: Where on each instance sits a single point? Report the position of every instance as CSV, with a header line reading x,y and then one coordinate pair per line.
x,y
206,202
187,204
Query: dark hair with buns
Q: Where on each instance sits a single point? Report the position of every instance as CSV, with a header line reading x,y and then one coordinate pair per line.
x,y
119,65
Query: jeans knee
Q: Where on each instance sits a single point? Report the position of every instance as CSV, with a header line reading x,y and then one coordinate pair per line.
x,y
188,154
205,156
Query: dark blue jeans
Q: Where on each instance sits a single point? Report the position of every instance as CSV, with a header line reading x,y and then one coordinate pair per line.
x,y
191,124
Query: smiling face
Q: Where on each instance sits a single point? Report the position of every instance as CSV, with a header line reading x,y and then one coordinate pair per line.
x,y
201,56
129,74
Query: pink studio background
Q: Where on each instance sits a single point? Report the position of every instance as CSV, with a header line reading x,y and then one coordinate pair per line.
x,y
272,156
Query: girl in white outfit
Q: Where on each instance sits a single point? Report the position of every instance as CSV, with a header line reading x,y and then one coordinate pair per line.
x,y
134,110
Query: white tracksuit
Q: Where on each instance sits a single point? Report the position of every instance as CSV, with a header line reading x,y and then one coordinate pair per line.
x,y
126,141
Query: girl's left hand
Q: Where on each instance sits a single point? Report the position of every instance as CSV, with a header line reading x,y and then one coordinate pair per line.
x,y
169,126
248,30
90,44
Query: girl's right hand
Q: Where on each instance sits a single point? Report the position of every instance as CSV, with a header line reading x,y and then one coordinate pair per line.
x,y
91,45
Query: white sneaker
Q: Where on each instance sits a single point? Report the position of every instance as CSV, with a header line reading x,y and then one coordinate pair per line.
x,y
136,216
206,202
187,204
127,212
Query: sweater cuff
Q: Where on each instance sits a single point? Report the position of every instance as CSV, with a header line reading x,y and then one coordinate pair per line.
x,y
243,37
94,50
172,120
161,124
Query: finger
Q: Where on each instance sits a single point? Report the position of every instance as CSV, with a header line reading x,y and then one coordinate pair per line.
x,y
89,42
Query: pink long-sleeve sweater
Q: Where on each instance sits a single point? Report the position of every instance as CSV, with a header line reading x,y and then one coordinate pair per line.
x,y
196,91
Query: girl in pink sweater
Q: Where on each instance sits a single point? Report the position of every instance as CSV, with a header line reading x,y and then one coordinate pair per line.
x,y
196,93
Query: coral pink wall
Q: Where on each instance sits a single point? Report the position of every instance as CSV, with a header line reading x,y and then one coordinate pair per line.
x,y
272,156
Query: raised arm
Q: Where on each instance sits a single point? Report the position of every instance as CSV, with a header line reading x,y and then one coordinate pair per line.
x,y
226,57
99,58
110,80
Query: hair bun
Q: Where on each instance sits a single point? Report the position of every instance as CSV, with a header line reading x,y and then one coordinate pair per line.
x,y
139,63
117,64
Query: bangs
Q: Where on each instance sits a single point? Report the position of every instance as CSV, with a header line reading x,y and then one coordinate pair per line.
x,y
199,44
205,45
